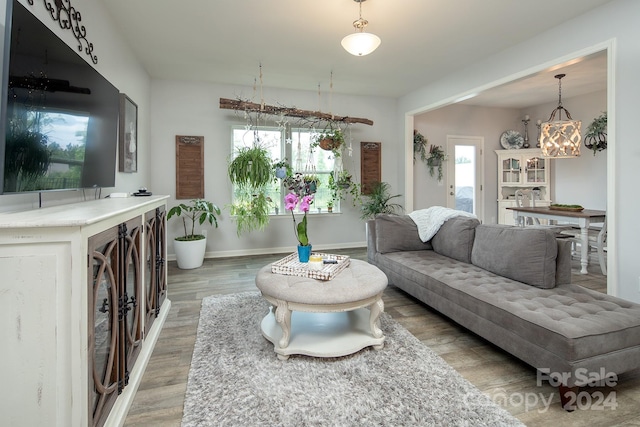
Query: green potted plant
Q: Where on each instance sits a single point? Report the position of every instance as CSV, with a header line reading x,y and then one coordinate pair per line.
x,y
282,169
344,179
419,146
435,159
331,139
313,182
251,170
342,183
190,247
251,212
251,166
596,137
378,201
330,206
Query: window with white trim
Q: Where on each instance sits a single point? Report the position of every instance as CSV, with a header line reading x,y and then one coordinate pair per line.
x,y
294,145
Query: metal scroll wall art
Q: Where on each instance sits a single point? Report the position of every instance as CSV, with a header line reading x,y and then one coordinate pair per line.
x,y
69,18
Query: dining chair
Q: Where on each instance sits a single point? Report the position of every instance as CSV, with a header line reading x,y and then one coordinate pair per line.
x,y
597,238
525,199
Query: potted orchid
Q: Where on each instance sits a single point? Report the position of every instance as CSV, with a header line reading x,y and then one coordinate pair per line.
x,y
301,196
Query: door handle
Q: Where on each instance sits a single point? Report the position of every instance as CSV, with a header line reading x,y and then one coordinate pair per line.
x,y
451,193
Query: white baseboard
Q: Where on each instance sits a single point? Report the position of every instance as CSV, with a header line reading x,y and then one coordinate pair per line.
x,y
268,251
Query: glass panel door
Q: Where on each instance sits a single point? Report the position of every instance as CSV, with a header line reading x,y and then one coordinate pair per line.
x,y
103,321
464,178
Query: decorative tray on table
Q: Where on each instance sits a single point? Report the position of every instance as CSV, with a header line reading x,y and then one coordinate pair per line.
x,y
290,266
570,208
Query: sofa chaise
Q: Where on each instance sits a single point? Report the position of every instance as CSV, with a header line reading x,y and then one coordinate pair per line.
x,y
511,286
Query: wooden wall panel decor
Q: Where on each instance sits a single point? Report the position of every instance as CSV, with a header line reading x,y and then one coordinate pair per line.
x,y
189,167
370,165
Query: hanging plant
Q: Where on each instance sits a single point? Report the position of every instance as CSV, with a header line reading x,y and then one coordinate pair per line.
x,y
435,159
596,137
419,146
282,169
330,139
251,166
251,171
251,212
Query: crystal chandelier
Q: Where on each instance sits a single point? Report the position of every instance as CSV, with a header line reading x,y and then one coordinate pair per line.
x,y
560,138
360,43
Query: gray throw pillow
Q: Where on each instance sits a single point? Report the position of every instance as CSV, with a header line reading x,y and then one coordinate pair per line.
x,y
395,233
455,238
527,255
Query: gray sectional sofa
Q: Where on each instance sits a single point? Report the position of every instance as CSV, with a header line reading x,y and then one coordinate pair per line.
x,y
511,286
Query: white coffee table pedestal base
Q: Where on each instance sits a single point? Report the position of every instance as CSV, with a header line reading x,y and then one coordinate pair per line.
x,y
323,318
323,334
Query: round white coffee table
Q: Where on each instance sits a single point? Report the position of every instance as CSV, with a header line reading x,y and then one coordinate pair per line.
x,y
324,318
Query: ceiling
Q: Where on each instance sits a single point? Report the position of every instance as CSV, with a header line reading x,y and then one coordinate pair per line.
x,y
297,42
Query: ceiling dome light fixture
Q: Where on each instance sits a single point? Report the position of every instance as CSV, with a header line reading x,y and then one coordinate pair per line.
x,y
560,139
360,43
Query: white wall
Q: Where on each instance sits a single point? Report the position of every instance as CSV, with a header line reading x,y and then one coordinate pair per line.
x,y
613,24
117,63
462,120
185,108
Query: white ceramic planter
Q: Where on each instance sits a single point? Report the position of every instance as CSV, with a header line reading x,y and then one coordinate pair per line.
x,y
190,254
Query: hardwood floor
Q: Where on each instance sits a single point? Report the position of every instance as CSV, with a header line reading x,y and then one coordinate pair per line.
x,y
505,379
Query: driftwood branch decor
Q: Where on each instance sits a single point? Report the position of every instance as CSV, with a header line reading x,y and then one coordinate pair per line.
x,y
239,105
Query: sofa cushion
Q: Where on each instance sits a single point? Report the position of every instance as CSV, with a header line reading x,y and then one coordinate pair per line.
x,y
502,249
455,238
398,233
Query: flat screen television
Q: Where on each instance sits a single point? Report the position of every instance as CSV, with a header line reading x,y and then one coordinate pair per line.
x,y
61,117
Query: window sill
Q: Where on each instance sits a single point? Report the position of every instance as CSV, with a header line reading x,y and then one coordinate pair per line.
x,y
316,213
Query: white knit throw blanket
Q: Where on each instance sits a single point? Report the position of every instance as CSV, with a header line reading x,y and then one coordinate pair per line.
x,y
431,219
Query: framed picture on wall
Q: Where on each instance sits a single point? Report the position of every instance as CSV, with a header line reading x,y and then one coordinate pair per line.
x,y
127,135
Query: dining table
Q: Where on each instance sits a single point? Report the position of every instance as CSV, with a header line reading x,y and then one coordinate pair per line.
x,y
583,218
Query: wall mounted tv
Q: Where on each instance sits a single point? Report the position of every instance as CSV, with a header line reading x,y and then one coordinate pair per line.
x,y
61,116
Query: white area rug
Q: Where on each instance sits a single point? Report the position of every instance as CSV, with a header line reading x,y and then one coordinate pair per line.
x,y
236,379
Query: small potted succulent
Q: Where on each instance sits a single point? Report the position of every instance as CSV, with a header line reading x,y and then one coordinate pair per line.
x,y
191,246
